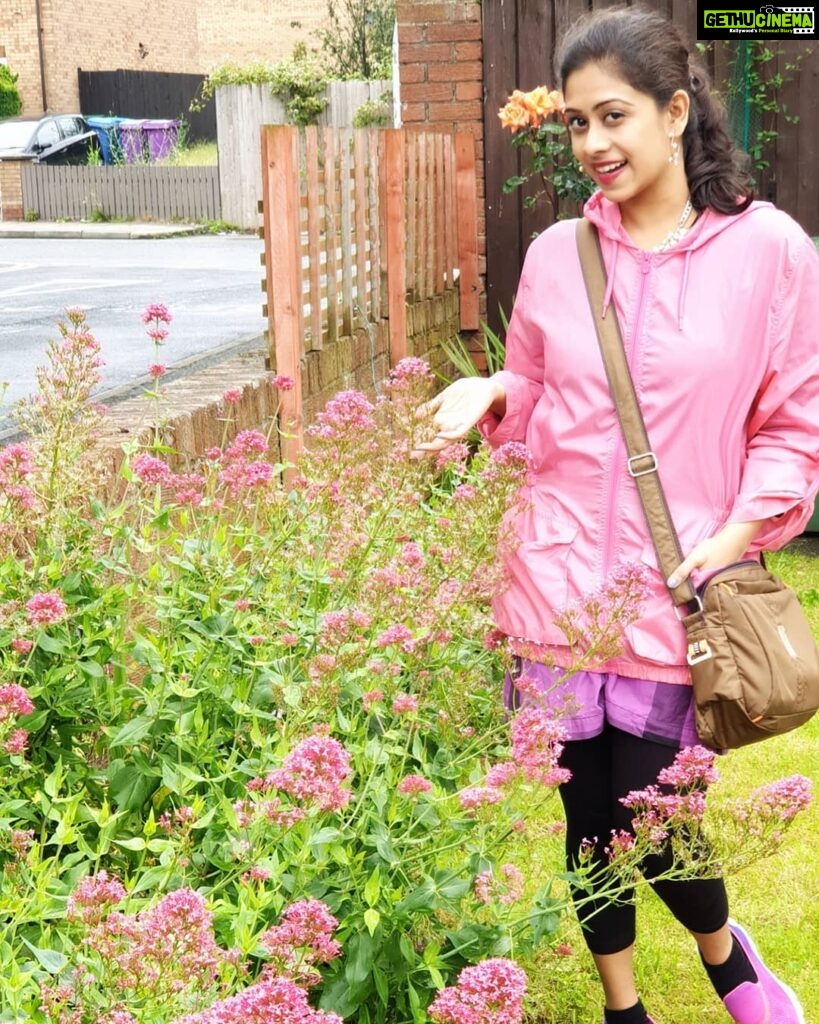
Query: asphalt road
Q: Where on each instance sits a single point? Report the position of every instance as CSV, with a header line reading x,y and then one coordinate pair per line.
x,y
210,283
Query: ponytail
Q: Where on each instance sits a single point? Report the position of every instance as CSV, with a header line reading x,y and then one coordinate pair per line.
x,y
647,51
714,167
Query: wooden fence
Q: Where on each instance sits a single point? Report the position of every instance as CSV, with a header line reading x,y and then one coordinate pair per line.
x,y
361,227
519,43
241,110
148,94
127,190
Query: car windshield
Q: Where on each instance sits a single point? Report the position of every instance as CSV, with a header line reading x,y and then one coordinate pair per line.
x,y
16,134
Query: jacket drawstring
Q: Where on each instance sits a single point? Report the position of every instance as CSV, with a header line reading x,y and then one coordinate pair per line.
x,y
683,289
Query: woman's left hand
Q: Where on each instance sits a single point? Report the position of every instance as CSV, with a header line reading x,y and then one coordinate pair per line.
x,y
725,547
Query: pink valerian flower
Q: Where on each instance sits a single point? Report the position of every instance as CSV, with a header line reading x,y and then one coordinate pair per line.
x,y
175,818
502,774
455,456
411,785
271,811
187,488
21,646
16,743
693,767
232,396
346,416
409,371
513,454
777,802
150,469
45,609
371,697
404,704
474,797
156,312
269,1001
157,370
282,382
620,844
396,636
302,939
256,874
314,771
241,604
564,949
655,808
14,701
491,992
246,442
506,889
93,897
537,743
16,466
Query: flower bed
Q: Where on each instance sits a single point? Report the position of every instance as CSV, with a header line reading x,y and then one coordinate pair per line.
x,y
255,763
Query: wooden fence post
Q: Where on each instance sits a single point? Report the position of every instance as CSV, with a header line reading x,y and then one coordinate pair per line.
x,y
283,271
395,206
467,204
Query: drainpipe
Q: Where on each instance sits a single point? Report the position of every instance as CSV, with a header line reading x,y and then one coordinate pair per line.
x,y
37,9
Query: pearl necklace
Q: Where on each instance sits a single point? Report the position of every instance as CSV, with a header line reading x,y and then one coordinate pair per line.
x,y
676,233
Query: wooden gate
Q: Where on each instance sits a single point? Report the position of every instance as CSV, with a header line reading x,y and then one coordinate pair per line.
x,y
519,40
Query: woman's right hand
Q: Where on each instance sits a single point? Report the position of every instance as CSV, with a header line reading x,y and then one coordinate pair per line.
x,y
456,410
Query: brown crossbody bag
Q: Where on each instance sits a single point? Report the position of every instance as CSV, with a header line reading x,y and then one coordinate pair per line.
x,y
754,663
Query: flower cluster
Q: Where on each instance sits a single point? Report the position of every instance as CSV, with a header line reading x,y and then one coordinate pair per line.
x,y
506,889
537,743
491,992
314,772
300,940
530,109
270,1001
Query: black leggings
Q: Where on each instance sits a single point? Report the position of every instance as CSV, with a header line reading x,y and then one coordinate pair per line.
x,y
603,769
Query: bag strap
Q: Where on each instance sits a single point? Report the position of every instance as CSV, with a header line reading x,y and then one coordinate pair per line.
x,y
642,462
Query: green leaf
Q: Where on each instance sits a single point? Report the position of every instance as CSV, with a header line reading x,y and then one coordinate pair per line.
x,y
135,843
129,787
423,898
372,889
91,668
49,959
325,835
50,644
382,985
361,950
372,919
132,732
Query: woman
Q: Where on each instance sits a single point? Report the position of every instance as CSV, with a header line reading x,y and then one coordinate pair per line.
x,y
718,301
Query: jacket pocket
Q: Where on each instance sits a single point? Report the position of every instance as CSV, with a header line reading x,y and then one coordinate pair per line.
x,y
657,636
539,570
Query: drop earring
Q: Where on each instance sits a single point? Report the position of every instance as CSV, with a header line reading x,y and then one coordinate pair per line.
x,y
674,156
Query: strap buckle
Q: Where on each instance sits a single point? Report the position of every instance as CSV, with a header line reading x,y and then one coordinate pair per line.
x,y
696,600
698,650
637,458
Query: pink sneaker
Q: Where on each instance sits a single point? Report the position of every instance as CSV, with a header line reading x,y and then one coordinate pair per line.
x,y
769,1001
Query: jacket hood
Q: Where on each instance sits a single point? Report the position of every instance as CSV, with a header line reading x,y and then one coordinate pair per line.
x,y
605,215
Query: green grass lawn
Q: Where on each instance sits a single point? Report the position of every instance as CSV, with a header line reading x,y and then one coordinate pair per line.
x,y
776,899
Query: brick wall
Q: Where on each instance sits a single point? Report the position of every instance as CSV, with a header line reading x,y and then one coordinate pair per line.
x,y
103,35
441,72
11,190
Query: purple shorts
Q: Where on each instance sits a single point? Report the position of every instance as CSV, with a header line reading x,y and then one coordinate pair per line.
x,y
585,701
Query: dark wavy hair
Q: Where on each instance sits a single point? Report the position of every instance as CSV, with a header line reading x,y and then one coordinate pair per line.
x,y
647,51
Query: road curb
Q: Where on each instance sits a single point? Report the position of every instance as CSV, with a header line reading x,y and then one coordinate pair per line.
x,y
48,229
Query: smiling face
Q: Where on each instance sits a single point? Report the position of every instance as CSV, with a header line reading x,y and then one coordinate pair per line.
x,y
621,136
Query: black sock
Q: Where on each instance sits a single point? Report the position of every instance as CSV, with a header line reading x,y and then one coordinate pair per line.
x,y
633,1015
728,976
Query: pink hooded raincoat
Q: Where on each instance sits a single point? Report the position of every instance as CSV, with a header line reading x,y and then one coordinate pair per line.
x,y
722,337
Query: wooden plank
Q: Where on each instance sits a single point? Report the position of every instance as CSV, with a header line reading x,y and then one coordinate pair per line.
x,y
503,227
346,239
805,84
382,225
374,225
427,165
450,219
440,233
280,179
360,187
313,234
395,216
467,207
412,212
332,217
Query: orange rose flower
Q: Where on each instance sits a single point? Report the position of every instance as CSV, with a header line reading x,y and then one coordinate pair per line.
x,y
530,109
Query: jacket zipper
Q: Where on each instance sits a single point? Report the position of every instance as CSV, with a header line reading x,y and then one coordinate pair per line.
x,y
619,448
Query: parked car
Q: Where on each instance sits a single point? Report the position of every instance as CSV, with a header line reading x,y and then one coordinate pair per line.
x,y
54,139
